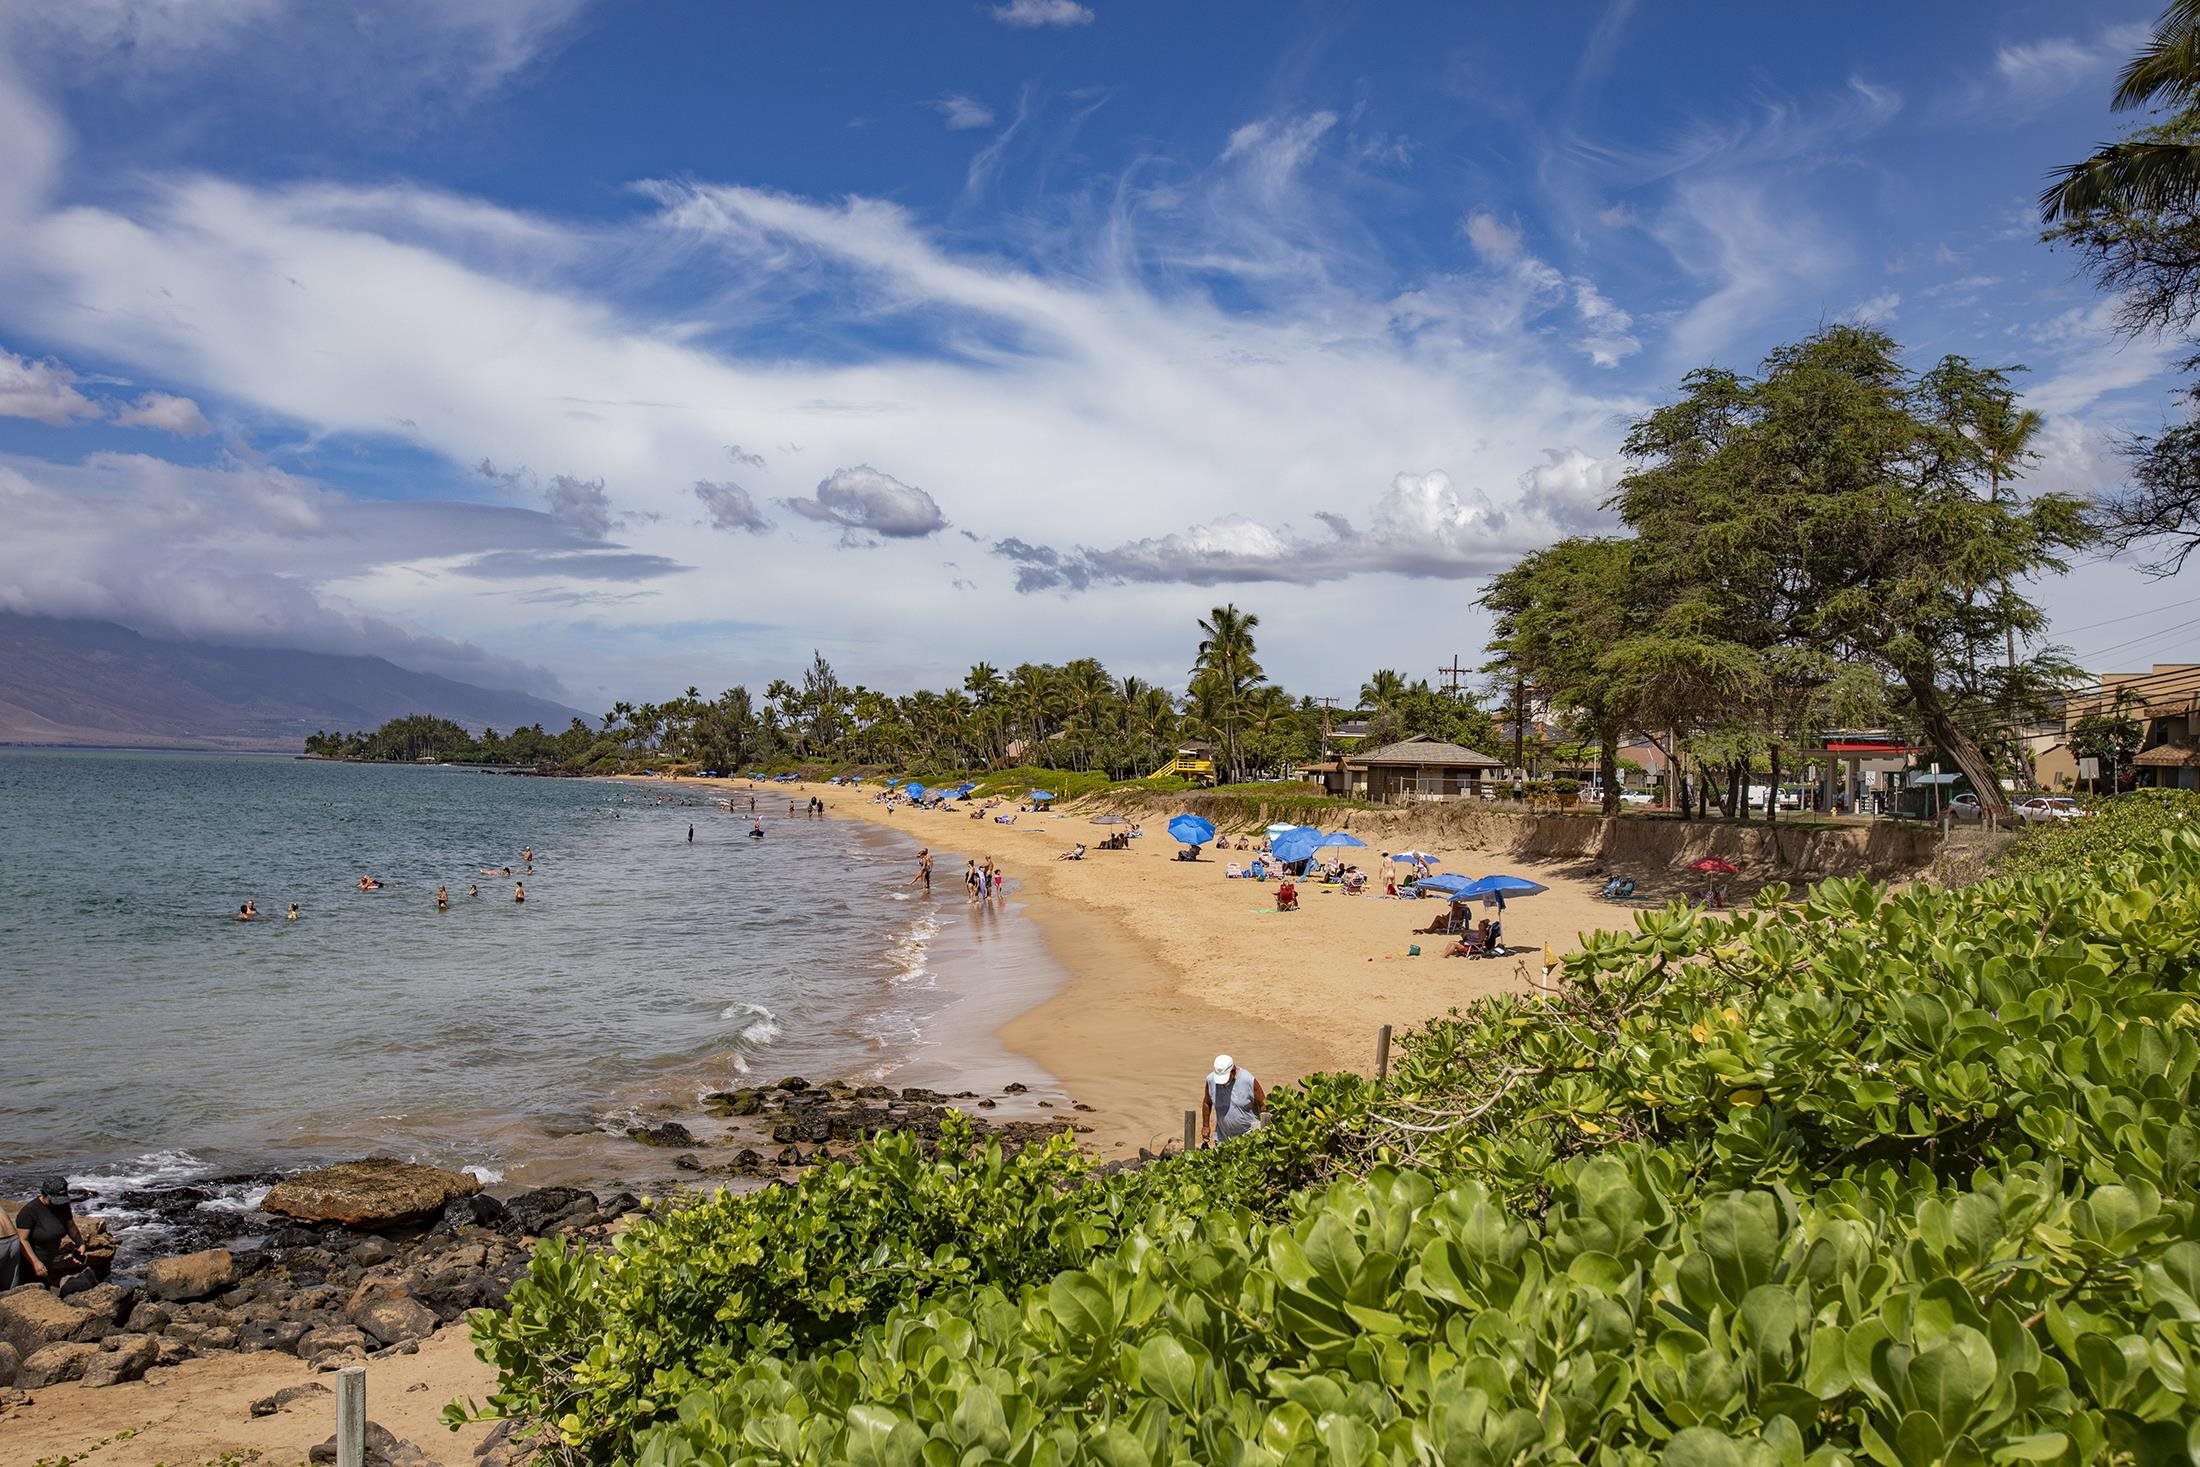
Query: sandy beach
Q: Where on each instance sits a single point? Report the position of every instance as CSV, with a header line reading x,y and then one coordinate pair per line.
x,y
1171,962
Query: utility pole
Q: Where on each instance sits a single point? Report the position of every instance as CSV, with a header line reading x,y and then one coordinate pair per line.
x,y
1327,704
1452,675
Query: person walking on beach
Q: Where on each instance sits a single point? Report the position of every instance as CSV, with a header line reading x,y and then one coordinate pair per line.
x,y
924,870
1231,1102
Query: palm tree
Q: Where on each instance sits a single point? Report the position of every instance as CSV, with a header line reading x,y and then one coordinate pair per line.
x,y
1382,690
2149,173
1226,655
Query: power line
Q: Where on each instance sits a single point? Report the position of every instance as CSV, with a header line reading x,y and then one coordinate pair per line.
x,y
2134,616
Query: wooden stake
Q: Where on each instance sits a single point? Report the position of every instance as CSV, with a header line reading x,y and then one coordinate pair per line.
x,y
1191,1129
1382,1053
351,1416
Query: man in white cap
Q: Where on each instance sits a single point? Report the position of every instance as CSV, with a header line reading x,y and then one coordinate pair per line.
x,y
1232,1101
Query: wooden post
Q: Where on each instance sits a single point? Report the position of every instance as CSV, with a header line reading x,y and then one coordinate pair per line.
x,y
1191,1129
1382,1053
351,1416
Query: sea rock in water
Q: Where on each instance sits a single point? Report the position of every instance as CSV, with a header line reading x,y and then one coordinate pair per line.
x,y
671,1133
379,1192
32,1318
191,1276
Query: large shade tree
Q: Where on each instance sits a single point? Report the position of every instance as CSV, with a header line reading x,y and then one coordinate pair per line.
x,y
1841,503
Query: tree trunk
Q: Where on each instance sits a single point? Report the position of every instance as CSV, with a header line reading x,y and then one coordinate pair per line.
x,y
1608,767
1970,759
1772,805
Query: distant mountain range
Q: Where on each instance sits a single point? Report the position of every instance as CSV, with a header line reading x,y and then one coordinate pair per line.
x,y
96,684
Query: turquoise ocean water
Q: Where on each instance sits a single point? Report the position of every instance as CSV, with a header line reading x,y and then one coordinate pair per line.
x,y
147,1036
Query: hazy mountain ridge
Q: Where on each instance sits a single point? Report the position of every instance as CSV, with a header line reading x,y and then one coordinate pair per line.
x,y
94,683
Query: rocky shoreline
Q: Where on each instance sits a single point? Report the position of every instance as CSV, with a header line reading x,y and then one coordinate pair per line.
x,y
369,1258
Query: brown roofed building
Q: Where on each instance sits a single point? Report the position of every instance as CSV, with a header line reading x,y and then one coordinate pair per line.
x,y
1417,768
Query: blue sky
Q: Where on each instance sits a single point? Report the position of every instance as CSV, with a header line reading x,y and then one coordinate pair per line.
x,y
607,348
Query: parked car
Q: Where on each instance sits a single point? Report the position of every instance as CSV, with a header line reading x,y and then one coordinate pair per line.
x,y
2043,808
1636,797
1965,807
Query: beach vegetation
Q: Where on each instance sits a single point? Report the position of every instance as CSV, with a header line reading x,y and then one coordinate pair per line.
x,y
1856,1175
2120,829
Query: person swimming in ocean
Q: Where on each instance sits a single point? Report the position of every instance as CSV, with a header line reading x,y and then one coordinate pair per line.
x,y
442,898
292,914
756,831
527,855
519,891
247,913
691,832
368,883
472,890
496,870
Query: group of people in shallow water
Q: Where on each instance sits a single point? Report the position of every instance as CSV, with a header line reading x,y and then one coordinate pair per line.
x,y
250,912
981,882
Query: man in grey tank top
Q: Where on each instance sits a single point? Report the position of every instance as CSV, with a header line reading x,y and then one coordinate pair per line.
x,y
1232,1102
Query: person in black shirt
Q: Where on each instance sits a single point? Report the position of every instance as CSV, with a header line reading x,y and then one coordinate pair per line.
x,y
52,1247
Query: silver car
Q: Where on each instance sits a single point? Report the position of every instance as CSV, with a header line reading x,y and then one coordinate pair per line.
x,y
2042,809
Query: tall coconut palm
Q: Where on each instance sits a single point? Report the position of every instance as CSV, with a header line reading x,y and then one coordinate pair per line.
x,y
2158,170
1226,655
1382,690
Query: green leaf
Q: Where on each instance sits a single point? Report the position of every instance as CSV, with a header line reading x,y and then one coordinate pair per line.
x,y
1701,1446
1167,1369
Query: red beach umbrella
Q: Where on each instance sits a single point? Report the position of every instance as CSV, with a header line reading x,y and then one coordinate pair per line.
x,y
1713,866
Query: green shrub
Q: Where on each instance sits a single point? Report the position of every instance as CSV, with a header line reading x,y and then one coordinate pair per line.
x,y
2112,830
1389,1322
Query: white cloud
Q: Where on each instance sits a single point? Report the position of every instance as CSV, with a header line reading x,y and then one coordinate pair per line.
x,y
1027,14
1760,256
1114,382
730,507
1877,310
1497,242
962,111
864,501
2083,358
42,391
1606,339
584,504
1422,528
167,412
247,557
365,55
2054,66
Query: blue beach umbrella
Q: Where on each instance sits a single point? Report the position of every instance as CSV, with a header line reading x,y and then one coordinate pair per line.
x,y
1339,838
1296,845
1042,796
1506,887
1448,884
964,789
916,791
1192,830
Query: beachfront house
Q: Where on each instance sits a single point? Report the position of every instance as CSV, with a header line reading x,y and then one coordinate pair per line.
x,y
1417,768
